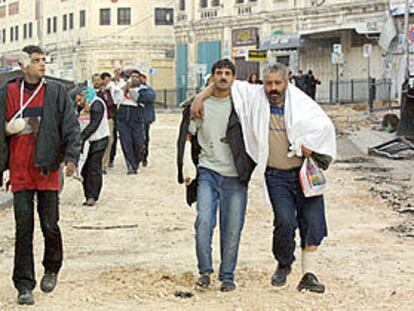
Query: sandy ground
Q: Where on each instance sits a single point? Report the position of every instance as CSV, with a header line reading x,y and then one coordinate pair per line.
x,y
363,265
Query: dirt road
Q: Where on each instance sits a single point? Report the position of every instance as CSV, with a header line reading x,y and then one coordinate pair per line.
x,y
140,268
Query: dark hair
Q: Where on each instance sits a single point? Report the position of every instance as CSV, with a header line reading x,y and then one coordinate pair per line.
x,y
135,71
224,63
30,49
106,75
310,72
96,75
251,77
74,92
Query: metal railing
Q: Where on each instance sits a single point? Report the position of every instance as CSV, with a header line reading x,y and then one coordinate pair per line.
x,y
362,91
172,98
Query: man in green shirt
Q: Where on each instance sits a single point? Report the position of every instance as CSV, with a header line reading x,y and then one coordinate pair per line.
x,y
219,185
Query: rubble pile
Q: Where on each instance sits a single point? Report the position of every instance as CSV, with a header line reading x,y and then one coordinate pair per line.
x,y
392,188
351,118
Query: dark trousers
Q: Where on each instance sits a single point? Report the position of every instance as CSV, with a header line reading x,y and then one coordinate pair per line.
x,y
147,140
291,211
132,135
114,143
92,175
48,210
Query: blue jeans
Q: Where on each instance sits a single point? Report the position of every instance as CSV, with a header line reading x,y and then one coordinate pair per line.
x,y
291,211
230,196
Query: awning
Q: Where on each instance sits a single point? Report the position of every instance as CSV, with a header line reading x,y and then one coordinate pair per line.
x,y
281,42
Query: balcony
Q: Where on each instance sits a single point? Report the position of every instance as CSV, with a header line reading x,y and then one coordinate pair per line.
x,y
181,17
208,13
244,8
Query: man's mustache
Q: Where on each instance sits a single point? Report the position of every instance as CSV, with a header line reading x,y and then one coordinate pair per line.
x,y
274,93
223,81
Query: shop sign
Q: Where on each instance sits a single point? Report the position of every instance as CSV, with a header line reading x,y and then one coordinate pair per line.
x,y
257,55
245,37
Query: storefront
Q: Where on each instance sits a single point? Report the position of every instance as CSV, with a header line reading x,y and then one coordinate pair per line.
x,y
244,40
283,48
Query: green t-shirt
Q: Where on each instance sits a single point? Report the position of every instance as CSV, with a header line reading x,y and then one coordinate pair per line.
x,y
215,154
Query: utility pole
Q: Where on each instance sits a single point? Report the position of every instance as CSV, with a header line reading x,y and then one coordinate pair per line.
x,y
40,22
406,39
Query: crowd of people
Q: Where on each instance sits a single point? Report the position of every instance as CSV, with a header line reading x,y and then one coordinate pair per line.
x,y
234,128
121,106
46,127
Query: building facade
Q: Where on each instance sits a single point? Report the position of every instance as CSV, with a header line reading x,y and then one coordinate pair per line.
x,y
82,37
299,33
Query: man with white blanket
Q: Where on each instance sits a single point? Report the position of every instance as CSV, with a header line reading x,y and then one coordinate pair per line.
x,y
282,125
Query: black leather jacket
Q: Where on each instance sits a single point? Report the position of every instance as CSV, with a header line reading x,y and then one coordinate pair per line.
x,y
59,131
243,162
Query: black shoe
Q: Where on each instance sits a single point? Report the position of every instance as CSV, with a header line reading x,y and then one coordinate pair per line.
x,y
104,172
132,172
89,202
25,297
144,163
311,283
227,286
279,278
204,281
48,283
111,164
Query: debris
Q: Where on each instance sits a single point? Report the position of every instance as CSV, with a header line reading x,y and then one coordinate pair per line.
x,y
183,294
105,227
354,160
393,149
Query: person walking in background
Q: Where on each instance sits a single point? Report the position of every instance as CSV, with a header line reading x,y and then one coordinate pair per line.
x,y
254,78
96,133
312,82
131,120
97,82
291,77
42,131
301,81
149,98
117,85
106,93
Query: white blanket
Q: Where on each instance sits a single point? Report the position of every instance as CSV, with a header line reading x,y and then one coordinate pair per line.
x,y
306,122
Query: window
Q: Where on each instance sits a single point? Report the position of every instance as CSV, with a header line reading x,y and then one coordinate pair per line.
x,y
30,30
16,33
71,21
124,16
55,24
215,2
82,18
105,17
203,3
164,16
182,5
65,22
4,36
24,31
11,34
49,25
